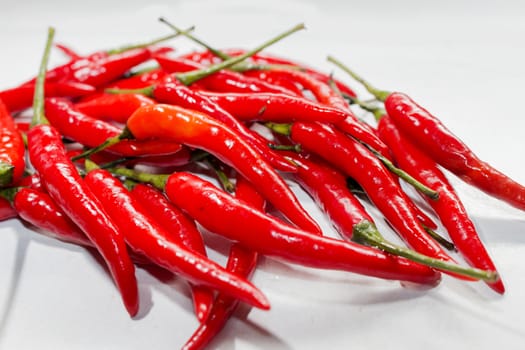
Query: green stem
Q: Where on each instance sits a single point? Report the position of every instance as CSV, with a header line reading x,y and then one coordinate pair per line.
x,y
147,91
294,148
190,77
6,173
157,180
124,135
440,239
225,182
366,232
9,193
38,99
378,112
283,129
149,43
379,94
404,175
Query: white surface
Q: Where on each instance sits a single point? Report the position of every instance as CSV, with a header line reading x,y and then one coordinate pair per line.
x,y
463,60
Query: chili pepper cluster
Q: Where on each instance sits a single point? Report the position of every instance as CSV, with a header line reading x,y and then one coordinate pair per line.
x,y
119,140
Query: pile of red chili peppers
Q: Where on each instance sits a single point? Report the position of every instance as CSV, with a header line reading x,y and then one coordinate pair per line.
x,y
123,143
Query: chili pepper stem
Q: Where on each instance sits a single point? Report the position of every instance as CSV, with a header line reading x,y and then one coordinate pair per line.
x,y
283,129
379,94
366,233
9,193
147,91
191,77
149,43
213,163
6,173
440,239
294,148
157,180
38,100
126,134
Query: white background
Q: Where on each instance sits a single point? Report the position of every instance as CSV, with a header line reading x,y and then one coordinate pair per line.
x,y
463,60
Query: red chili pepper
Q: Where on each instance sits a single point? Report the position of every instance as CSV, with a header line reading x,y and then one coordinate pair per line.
x,y
183,230
445,148
38,209
31,181
242,262
92,132
21,97
356,161
225,215
67,189
6,210
222,81
12,149
274,107
448,206
116,107
145,236
198,130
68,51
175,93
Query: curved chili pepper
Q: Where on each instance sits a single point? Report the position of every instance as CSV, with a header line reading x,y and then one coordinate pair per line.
x,y
356,161
12,149
145,236
92,132
198,130
242,262
222,81
21,97
274,107
182,229
116,107
450,152
448,206
225,215
173,92
67,189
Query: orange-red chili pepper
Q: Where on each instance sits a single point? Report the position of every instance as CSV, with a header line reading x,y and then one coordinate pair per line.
x,y
12,149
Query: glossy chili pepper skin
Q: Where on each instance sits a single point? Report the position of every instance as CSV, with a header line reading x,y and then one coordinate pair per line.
x,y
357,162
115,107
146,237
241,261
177,94
446,149
65,186
277,108
198,130
222,81
21,97
12,149
448,206
225,215
279,81
6,210
92,132
183,230
37,208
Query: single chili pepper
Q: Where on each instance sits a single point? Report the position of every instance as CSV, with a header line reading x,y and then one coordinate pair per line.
x,y
448,207
21,97
182,229
357,162
242,262
329,190
222,81
145,236
91,132
427,131
65,186
274,107
116,107
12,149
225,215
198,130
175,93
